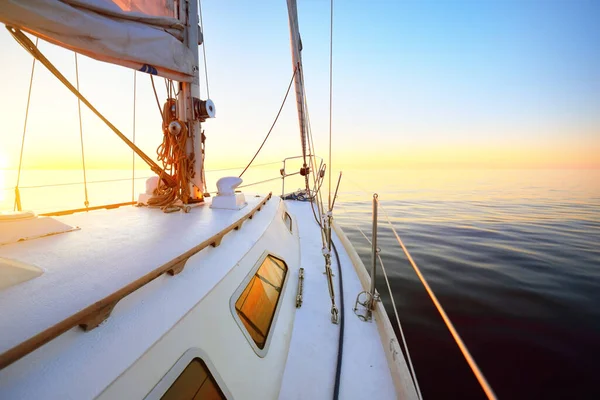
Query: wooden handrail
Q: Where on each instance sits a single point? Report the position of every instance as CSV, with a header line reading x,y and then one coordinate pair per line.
x,y
76,210
93,315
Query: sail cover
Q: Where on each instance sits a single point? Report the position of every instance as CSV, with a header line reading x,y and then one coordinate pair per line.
x,y
142,34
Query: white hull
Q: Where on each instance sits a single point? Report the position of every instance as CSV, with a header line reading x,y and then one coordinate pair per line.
x,y
149,330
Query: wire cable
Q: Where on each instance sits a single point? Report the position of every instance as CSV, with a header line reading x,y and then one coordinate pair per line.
x,y
241,167
461,345
17,196
203,48
407,357
86,202
273,125
340,355
133,153
28,45
258,183
156,96
330,92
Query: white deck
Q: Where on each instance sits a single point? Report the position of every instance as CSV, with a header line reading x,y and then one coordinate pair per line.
x,y
311,364
115,247
112,249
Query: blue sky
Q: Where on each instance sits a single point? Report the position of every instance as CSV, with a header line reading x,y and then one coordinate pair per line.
x,y
415,83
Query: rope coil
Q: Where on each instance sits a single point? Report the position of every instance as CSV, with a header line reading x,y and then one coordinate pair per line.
x,y
172,153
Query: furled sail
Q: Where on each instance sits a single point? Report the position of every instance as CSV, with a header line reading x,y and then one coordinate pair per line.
x,y
296,47
142,34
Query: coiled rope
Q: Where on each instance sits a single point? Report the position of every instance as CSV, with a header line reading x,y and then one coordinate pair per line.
x,y
172,153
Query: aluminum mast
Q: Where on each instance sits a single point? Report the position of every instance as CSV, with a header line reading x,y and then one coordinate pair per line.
x,y
296,47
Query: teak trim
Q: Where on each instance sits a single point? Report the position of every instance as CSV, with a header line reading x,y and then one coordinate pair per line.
x,y
93,315
77,210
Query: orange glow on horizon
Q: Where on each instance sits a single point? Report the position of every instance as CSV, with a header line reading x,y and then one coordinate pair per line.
x,y
480,157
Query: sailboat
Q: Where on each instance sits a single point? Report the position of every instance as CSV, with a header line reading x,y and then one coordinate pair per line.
x,y
188,296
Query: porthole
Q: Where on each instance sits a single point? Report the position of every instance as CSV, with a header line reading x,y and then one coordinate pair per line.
x,y
287,220
192,377
256,302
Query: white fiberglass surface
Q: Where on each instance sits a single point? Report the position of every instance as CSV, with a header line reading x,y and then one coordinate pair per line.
x,y
311,364
112,249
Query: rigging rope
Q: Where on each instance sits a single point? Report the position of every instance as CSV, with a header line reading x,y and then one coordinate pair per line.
x,y
203,48
74,183
28,45
156,94
259,182
272,125
86,202
330,91
17,204
241,167
340,355
408,357
311,145
133,153
172,153
461,345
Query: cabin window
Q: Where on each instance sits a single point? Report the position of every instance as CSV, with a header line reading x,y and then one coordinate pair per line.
x,y
256,306
193,376
194,383
288,220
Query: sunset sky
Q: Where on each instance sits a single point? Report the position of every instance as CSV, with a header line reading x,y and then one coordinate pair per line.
x,y
481,84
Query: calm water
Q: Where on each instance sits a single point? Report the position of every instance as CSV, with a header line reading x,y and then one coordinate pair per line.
x,y
513,256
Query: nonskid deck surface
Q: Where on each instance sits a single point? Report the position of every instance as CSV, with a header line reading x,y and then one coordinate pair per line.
x,y
312,359
112,249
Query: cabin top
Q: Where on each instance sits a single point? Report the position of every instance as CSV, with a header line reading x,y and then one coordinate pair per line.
x,y
111,250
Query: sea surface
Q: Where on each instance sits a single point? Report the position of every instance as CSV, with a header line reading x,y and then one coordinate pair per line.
x,y
512,255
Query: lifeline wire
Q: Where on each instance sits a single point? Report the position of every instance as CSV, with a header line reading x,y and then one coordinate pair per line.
x,y
408,357
461,345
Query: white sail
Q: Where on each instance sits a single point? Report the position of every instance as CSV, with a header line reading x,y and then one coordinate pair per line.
x,y
296,47
142,34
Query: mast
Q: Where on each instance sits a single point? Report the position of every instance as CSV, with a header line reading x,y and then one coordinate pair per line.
x,y
296,47
185,101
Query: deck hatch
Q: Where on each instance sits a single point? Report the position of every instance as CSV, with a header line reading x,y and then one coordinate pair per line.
x,y
13,272
258,300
